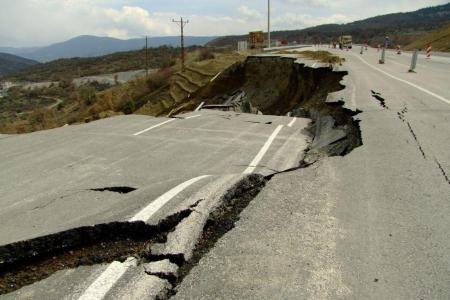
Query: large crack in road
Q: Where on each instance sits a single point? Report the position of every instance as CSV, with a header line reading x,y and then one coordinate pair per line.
x,y
272,85
29,261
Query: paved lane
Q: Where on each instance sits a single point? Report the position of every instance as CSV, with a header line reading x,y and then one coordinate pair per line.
x,y
370,225
47,177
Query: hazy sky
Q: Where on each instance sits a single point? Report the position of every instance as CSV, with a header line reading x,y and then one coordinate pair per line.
x,y
41,22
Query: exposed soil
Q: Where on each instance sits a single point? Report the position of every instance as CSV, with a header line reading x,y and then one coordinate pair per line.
x,y
29,261
280,86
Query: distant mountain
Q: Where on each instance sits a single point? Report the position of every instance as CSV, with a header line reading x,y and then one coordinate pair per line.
x,y
402,28
91,46
11,63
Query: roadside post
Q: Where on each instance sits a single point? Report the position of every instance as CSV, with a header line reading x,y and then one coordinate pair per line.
x,y
383,55
362,50
429,48
414,61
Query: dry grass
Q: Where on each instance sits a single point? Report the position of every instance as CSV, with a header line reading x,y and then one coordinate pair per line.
x,y
439,39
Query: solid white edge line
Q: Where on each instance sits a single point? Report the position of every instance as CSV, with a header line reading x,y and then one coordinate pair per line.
x,y
407,82
103,284
263,151
153,207
153,127
191,117
292,122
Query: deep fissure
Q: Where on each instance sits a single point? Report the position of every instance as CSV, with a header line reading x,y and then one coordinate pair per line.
x,y
25,262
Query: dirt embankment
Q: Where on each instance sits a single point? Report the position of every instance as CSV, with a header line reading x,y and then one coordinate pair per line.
x,y
281,86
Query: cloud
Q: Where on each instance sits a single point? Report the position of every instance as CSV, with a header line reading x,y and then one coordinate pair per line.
x,y
40,22
248,13
291,20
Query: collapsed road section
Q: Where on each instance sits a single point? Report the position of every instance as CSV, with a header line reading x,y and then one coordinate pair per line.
x,y
274,85
267,85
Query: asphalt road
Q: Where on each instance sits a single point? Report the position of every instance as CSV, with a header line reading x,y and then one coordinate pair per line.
x,y
371,225
47,177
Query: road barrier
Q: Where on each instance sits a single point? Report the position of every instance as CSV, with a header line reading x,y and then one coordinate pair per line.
x,y
429,48
383,56
414,61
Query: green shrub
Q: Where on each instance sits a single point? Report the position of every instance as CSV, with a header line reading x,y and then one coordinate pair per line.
x,y
128,107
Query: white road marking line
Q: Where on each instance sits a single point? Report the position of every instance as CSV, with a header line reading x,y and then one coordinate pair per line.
x,y
292,122
214,78
153,207
314,64
263,151
407,82
153,127
200,106
191,117
103,284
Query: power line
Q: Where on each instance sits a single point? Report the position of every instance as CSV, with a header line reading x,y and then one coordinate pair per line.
x,y
182,23
146,55
268,23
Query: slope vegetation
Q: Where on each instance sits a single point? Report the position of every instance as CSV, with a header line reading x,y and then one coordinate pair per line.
x,y
112,63
439,39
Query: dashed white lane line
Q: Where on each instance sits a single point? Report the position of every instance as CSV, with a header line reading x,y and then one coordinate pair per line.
x,y
292,122
153,127
103,284
191,117
263,151
153,207
406,82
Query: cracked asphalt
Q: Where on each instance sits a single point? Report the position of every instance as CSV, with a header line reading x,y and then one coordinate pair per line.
x,y
370,225
114,169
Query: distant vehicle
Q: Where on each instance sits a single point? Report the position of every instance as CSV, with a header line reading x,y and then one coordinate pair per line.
x,y
256,39
346,41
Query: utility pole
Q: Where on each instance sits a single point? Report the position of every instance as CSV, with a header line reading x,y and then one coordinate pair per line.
x,y
146,55
182,23
268,23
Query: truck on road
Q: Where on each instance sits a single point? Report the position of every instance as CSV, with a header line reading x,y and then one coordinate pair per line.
x,y
345,41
